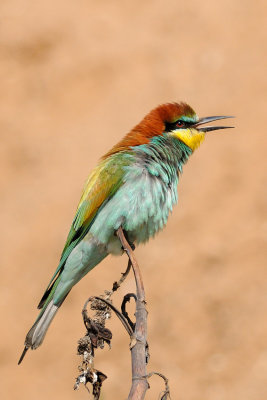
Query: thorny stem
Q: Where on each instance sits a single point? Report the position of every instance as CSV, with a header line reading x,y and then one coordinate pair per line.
x,y
139,338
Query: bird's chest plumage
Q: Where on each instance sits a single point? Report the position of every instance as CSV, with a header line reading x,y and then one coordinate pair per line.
x,y
144,201
150,196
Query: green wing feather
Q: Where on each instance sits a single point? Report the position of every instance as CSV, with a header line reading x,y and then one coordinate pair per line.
x,y
101,184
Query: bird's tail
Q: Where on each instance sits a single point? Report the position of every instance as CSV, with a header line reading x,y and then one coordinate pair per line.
x,y
36,334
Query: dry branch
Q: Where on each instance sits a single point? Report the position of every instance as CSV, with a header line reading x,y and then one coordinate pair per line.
x,y
139,353
97,334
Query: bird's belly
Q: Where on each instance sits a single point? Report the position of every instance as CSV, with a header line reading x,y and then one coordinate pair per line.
x,y
141,208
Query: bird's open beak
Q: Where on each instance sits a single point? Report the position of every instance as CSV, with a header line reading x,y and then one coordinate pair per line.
x,y
202,121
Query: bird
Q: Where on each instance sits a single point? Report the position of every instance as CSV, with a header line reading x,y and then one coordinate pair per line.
x,y
134,186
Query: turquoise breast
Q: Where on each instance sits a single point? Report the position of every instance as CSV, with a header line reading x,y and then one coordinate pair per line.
x,y
146,198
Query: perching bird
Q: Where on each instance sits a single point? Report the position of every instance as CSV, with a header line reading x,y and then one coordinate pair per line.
x,y
133,186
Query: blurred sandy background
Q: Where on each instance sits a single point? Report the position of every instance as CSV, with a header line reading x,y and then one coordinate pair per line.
x,y
77,75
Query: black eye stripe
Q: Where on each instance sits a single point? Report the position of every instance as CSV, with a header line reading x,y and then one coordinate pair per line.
x,y
171,126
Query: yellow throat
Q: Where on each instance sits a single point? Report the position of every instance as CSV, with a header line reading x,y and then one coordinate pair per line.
x,y
190,136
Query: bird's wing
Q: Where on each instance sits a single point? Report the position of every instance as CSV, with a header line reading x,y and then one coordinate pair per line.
x,y
101,184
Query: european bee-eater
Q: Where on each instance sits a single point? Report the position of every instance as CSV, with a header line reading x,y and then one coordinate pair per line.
x,y
133,186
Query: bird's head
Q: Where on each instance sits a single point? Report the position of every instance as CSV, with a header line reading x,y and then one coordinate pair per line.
x,y
178,120
181,122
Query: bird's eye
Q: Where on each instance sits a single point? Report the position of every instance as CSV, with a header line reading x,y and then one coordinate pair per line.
x,y
180,124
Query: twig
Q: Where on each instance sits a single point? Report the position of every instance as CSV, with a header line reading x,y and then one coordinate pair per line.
x,y
139,338
126,322
97,334
166,394
117,285
125,300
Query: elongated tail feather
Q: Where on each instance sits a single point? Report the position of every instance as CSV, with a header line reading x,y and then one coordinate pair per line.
x,y
23,354
37,333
